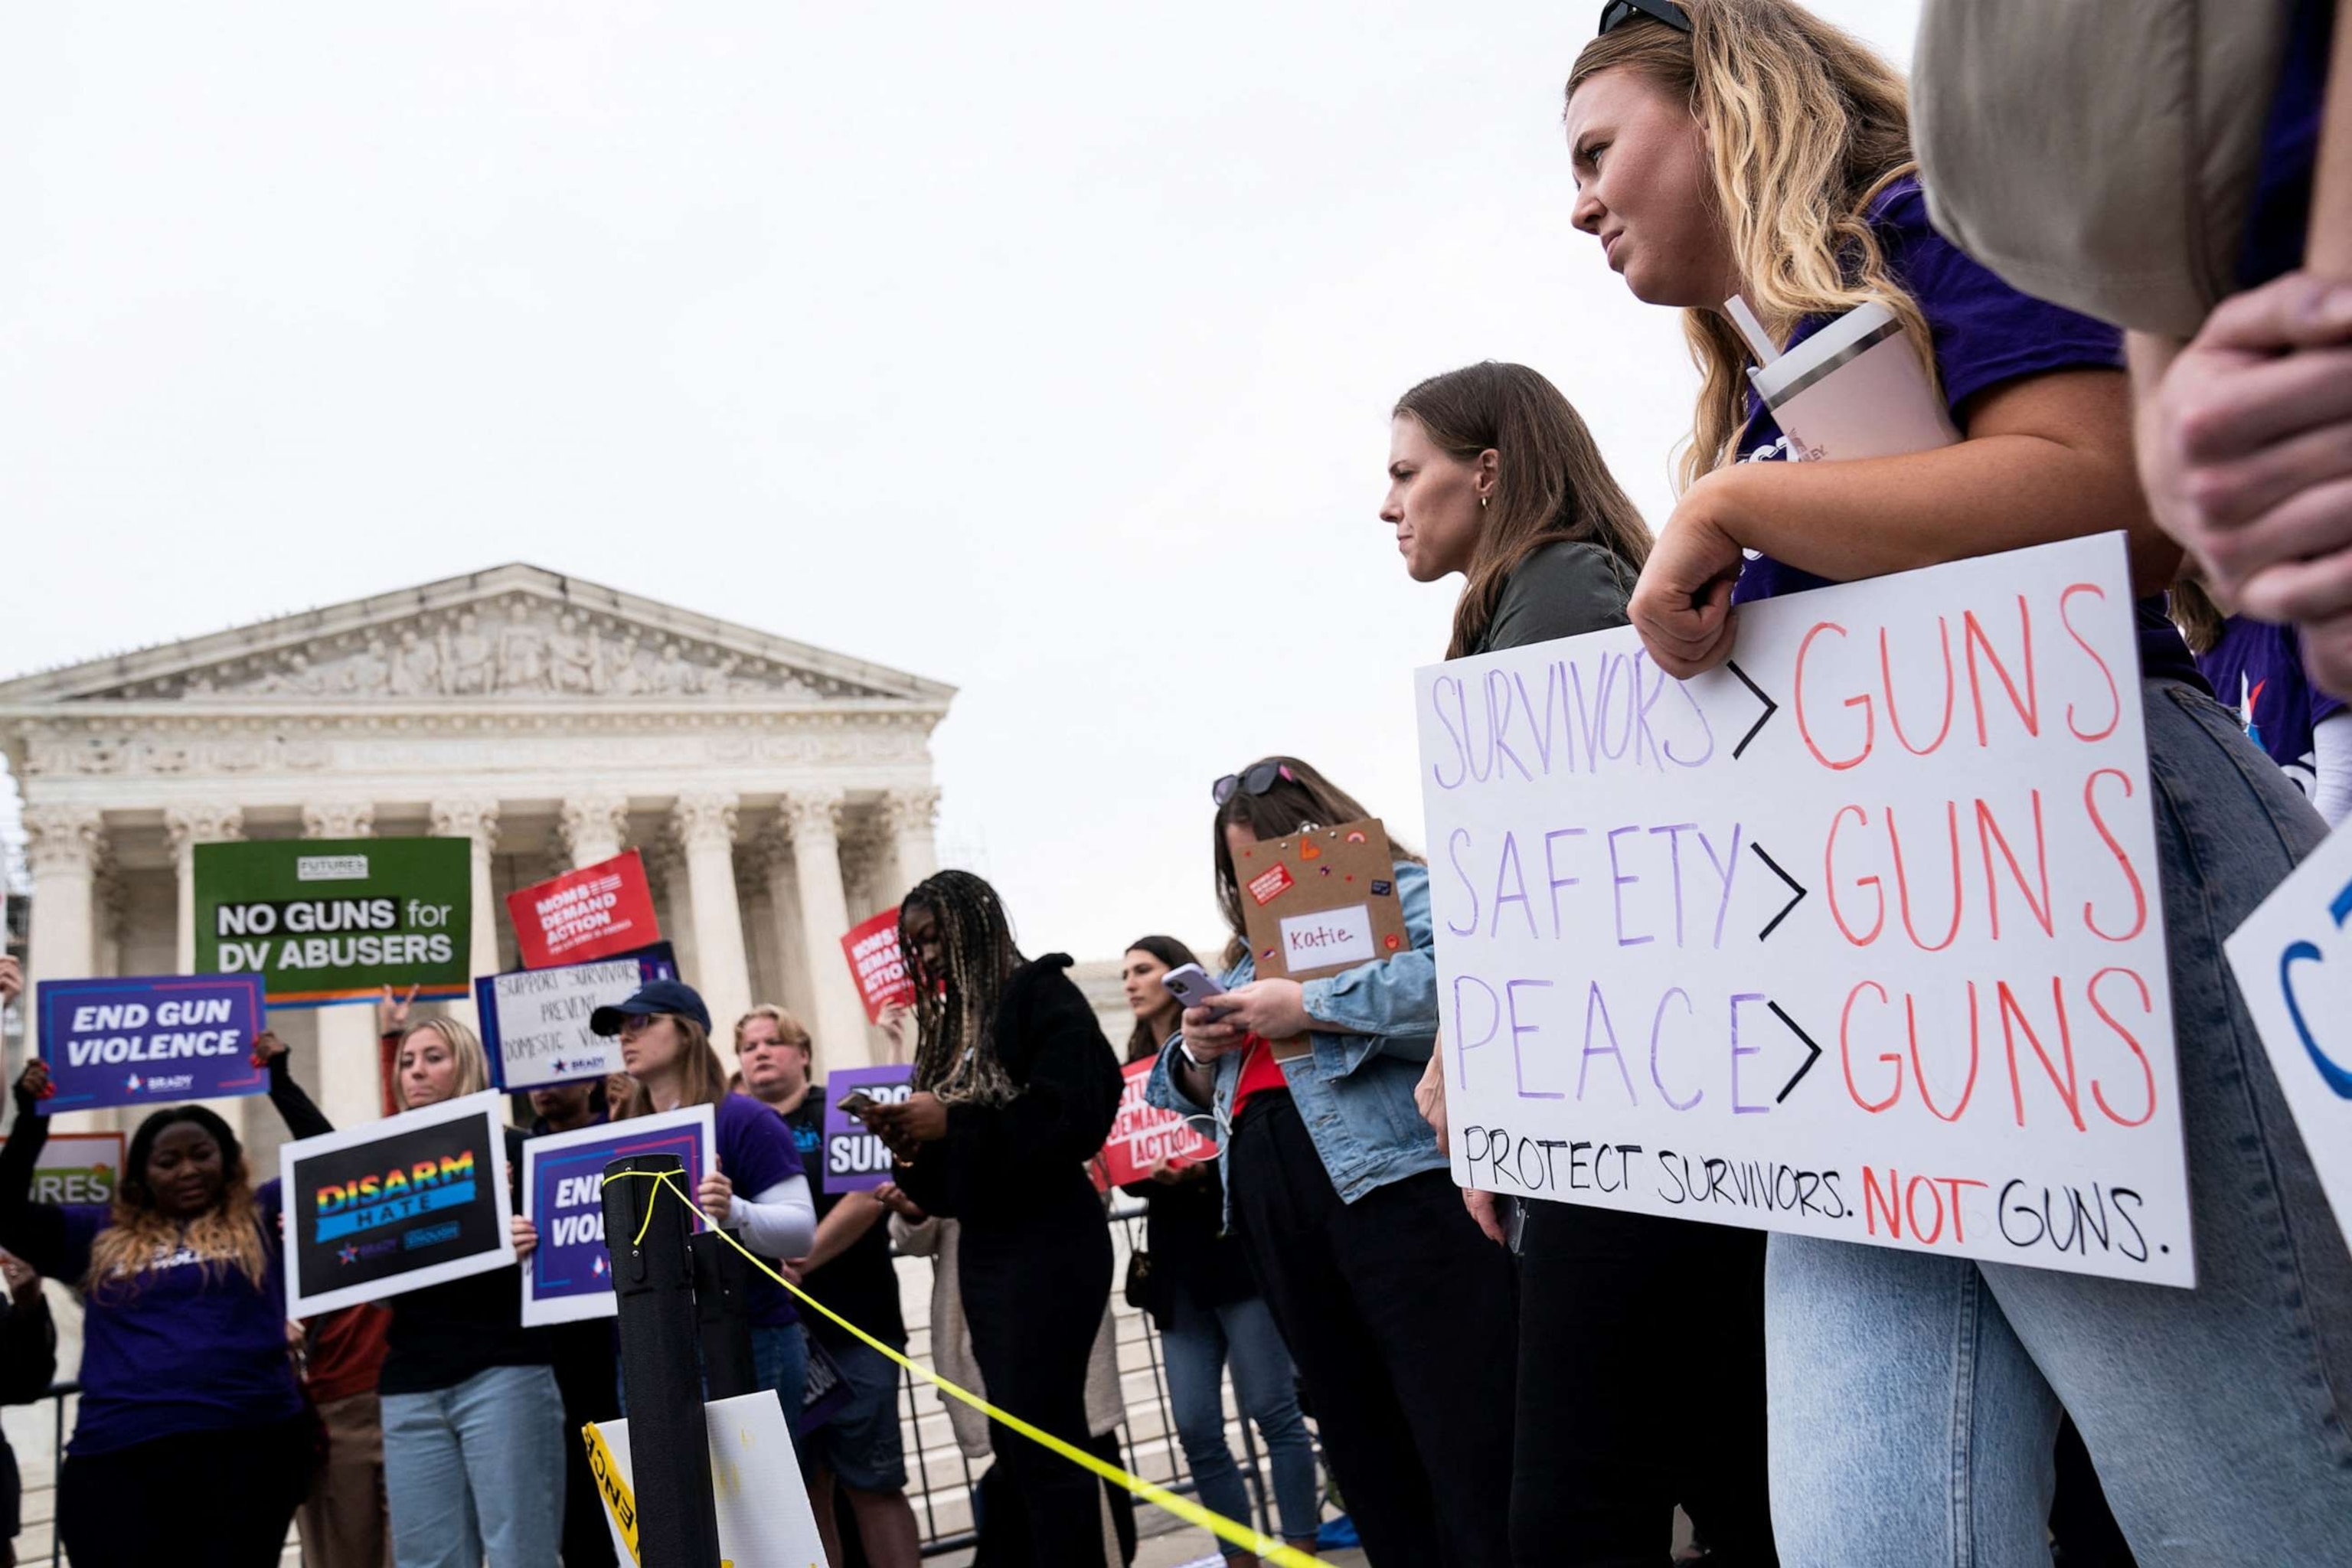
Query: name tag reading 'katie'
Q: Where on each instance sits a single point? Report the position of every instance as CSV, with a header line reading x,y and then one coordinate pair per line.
x,y
1328,936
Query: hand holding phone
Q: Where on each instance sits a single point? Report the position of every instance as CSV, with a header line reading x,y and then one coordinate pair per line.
x,y
858,1102
1190,985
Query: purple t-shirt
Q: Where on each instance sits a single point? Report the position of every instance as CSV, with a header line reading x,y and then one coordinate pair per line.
x,y
172,1350
2256,670
1984,333
756,1151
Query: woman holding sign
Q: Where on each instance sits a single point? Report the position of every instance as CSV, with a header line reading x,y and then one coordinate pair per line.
x,y
1744,148
192,1443
1015,1090
1645,1393
1397,1310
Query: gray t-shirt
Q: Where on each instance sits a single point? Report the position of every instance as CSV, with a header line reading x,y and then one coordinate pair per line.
x,y
1560,590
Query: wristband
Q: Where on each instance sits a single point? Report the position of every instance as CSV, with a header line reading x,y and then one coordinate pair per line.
x,y
1186,1047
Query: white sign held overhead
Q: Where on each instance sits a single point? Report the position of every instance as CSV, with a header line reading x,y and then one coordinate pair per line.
x,y
1858,937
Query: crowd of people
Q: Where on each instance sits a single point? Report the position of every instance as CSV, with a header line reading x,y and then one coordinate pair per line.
x,y
1489,1383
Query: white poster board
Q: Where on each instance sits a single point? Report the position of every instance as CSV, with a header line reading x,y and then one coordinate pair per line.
x,y
755,1478
2293,963
1859,937
538,1020
396,1206
568,1276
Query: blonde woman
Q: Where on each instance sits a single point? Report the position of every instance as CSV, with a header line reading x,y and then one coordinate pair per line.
x,y
1746,147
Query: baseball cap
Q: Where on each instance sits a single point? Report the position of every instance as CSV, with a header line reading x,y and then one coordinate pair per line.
x,y
655,996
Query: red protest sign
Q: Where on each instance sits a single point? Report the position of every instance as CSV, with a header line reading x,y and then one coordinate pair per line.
x,y
595,911
874,963
1142,1135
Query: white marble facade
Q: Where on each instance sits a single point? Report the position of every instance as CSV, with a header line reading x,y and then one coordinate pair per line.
x,y
779,793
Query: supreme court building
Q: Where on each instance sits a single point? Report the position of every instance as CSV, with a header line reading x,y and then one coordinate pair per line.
x,y
778,792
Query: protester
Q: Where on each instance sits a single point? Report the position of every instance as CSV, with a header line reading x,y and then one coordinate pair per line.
x,y
848,1268
1393,1305
1744,147
586,1358
473,1433
1015,1090
666,1049
344,1520
191,1428
28,1363
1199,1293
1649,1392
2257,668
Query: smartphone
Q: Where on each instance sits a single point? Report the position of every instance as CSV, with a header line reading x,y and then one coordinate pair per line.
x,y
858,1102
1190,985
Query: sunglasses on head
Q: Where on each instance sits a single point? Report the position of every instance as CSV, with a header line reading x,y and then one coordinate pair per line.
x,y
1617,13
1256,779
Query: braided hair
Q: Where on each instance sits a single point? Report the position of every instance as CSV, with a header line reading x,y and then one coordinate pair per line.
x,y
955,1010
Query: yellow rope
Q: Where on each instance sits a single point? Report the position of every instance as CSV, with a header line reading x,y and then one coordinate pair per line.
x,y
1183,1508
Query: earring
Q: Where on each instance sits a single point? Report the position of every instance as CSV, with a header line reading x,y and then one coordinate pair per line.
x,y
1482,503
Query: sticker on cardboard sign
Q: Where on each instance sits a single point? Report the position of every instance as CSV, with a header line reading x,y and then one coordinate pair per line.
x,y
1270,884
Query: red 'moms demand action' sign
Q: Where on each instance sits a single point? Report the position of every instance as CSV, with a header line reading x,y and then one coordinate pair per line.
x,y
595,911
872,948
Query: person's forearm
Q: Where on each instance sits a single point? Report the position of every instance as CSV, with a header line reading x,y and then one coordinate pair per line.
x,y
1868,517
779,1223
841,1229
1198,1083
295,1107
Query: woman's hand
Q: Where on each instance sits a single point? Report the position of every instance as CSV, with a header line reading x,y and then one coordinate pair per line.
x,y
921,1118
526,1237
1682,604
32,1085
716,1193
267,1048
1429,1096
893,1025
1211,1032
1270,1009
11,977
889,1195
392,1012
1488,1213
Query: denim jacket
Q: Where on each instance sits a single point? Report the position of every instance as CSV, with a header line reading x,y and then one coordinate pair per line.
x,y
1354,1090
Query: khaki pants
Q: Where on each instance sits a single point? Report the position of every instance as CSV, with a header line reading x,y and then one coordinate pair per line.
x,y
342,1522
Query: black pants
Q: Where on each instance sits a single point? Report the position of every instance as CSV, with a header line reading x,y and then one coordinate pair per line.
x,y
586,1373
203,1499
1641,1385
1400,1315
1033,1294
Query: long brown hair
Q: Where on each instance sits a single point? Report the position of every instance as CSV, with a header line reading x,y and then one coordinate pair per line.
x,y
1146,1041
700,1069
1806,124
226,1236
1301,798
1551,485
2200,620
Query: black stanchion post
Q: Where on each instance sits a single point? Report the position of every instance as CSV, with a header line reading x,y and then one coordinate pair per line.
x,y
722,1286
669,1448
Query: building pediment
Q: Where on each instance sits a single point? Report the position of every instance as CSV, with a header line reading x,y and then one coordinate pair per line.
x,y
516,635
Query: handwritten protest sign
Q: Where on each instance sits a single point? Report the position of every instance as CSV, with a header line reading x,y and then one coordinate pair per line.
x,y
880,969
161,1040
595,911
570,1277
855,1160
1857,937
1141,1134
337,920
2293,963
535,1021
77,1168
396,1206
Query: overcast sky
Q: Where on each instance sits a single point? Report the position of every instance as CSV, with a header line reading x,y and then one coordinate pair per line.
x,y
1043,348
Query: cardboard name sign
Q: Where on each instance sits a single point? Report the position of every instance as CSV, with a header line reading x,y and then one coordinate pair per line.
x,y
595,911
159,1040
337,920
396,1206
856,1161
2293,963
1141,1135
77,1168
535,1021
871,946
1856,937
570,1275
1320,903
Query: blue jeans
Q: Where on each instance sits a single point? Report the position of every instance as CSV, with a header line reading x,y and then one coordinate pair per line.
x,y
1197,1341
779,1358
1915,1399
476,1468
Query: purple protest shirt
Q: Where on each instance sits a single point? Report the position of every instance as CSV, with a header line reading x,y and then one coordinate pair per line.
x,y
2257,672
756,1151
182,1346
1984,334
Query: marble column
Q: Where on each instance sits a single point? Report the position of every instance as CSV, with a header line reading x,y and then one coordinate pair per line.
x,y
476,821
590,828
350,1087
908,815
189,825
775,859
865,856
704,825
673,906
63,847
839,1022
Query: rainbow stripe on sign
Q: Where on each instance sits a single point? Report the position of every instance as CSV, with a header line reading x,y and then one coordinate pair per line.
x,y
346,1208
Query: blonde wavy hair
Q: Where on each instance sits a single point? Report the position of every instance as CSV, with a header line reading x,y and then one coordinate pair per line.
x,y
1806,125
790,1030
704,1075
138,1235
473,1062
